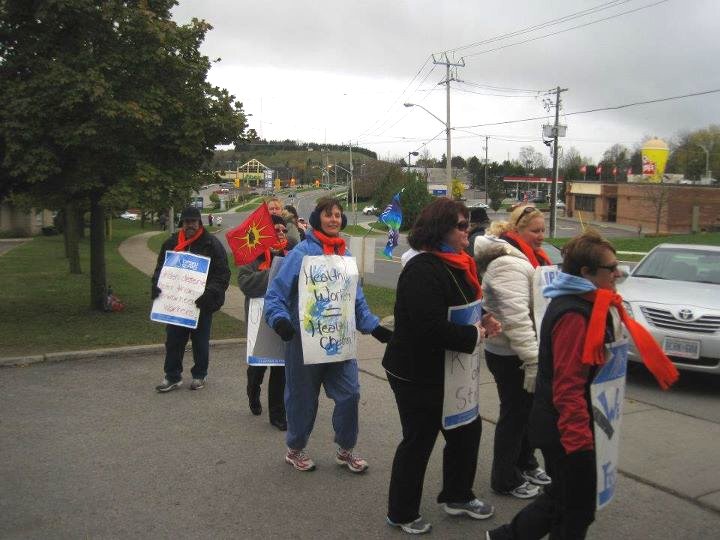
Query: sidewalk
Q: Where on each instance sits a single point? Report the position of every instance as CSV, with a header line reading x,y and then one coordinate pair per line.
x,y
684,445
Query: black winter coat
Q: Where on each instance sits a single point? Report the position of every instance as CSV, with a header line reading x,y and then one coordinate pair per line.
x,y
218,278
427,287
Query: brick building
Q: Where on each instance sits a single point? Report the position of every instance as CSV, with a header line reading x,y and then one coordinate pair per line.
x,y
682,208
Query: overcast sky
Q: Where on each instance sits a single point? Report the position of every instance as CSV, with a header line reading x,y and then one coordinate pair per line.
x,y
339,71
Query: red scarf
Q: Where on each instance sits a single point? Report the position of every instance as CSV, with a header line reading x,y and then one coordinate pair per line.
x,y
330,244
536,257
182,243
280,246
652,355
466,263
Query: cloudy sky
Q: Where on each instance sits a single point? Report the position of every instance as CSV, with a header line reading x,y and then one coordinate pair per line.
x,y
339,71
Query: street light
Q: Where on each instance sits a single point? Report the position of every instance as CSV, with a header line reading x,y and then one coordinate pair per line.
x,y
411,154
448,154
351,185
707,157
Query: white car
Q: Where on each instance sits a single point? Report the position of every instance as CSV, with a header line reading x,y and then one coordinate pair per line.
x,y
674,292
130,216
370,210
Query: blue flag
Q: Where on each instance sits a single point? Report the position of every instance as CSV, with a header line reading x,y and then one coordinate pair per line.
x,y
392,217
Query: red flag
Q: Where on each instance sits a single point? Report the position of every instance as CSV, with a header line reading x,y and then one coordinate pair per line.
x,y
598,170
249,239
583,169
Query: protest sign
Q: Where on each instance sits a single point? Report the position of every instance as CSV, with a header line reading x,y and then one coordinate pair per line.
x,y
462,380
542,276
327,286
182,281
264,346
607,393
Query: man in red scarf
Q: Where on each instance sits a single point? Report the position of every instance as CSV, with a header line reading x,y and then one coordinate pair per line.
x,y
193,237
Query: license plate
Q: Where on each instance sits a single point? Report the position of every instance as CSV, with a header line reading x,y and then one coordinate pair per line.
x,y
684,348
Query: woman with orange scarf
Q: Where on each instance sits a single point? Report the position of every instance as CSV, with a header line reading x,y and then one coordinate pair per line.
x,y
581,321
439,276
507,261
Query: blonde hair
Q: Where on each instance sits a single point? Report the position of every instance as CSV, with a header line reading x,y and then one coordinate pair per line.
x,y
519,219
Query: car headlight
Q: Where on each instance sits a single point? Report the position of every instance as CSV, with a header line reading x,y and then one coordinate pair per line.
x,y
628,308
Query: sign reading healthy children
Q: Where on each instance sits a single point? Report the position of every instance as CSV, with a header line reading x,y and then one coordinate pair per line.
x,y
316,305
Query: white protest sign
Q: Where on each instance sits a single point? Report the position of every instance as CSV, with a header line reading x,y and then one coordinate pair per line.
x,y
182,280
542,276
264,346
462,380
364,249
607,393
327,286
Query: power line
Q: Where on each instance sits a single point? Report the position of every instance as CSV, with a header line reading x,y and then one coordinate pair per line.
x,y
567,29
599,109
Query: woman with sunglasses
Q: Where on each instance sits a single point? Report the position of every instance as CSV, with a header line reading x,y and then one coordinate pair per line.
x,y
439,275
507,260
253,282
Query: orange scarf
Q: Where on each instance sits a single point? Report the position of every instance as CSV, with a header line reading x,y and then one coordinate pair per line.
x,y
536,257
280,246
652,355
182,243
463,262
330,244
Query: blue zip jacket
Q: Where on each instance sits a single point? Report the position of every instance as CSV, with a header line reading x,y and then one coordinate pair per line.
x,y
281,299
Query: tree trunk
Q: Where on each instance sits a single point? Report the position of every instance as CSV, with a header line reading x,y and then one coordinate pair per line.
x,y
72,239
98,283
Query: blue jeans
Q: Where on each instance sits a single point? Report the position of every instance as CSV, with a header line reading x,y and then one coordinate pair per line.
x,y
302,389
175,342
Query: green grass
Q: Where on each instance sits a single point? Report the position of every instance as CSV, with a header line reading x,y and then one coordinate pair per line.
x,y
45,309
380,299
643,244
357,230
251,205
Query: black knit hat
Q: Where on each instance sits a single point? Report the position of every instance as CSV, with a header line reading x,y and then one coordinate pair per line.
x,y
190,213
278,220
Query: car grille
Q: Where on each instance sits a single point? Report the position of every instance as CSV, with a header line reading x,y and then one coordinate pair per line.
x,y
662,318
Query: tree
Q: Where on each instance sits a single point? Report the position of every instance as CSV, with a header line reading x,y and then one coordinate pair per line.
x,y
457,189
695,151
476,169
531,159
457,162
413,199
657,197
96,97
570,163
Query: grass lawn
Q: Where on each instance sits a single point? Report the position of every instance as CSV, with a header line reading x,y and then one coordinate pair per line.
x,y
45,309
643,244
357,230
380,299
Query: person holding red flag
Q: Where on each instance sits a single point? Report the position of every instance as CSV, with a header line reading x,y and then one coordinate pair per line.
x,y
252,237
193,237
579,332
253,282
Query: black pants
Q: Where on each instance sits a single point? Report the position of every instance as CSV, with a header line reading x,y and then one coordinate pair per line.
x,y
176,338
565,509
276,388
420,408
512,453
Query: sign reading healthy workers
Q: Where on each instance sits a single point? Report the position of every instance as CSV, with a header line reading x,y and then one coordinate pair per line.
x,y
182,280
607,392
462,379
326,308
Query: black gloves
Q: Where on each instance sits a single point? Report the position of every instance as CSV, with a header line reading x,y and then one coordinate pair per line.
x,y
284,329
155,292
203,300
382,334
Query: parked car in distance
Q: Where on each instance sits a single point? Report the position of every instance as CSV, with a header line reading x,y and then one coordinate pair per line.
x,y
476,204
129,215
370,210
675,292
560,204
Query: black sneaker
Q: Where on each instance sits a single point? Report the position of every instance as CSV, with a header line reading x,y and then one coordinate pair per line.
x,y
198,384
167,386
253,393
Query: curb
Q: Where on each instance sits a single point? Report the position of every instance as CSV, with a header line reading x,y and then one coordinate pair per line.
x,y
92,354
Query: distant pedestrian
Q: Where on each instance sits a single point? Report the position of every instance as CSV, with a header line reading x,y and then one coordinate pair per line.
x,y
210,220
163,221
193,237
218,221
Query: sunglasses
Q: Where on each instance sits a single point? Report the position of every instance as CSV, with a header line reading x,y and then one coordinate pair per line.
x,y
525,212
281,230
462,225
610,267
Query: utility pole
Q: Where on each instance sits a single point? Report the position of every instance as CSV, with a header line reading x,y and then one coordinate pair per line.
x,y
486,165
352,188
553,188
447,63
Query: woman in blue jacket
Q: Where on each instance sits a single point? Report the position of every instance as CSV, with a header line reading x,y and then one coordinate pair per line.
x,y
302,382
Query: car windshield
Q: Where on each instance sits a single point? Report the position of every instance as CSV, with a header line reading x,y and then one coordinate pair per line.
x,y
552,252
694,265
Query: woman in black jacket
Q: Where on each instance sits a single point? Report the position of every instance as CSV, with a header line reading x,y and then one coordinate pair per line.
x,y
440,276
